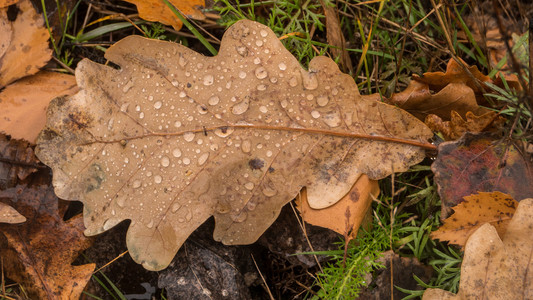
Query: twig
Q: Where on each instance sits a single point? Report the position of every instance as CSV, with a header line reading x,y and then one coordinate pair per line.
x,y
262,278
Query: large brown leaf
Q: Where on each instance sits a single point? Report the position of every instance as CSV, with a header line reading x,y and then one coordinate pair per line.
x,y
174,137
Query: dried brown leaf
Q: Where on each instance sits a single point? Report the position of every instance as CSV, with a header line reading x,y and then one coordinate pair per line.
x,y
6,3
345,216
174,137
10,215
419,101
495,208
455,73
24,103
336,37
17,161
38,253
457,126
493,268
158,11
23,43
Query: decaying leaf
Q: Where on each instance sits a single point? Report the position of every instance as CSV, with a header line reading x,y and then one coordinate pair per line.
x,y
6,3
38,253
456,127
158,11
174,137
17,161
493,268
23,43
480,163
455,73
419,101
10,215
495,208
24,103
345,216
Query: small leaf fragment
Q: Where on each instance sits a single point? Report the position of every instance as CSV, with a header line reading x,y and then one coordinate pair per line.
x,y
10,215
157,11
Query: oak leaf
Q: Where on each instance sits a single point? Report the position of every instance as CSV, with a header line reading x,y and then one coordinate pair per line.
x,y
173,137
419,100
494,208
455,73
457,126
495,268
158,11
345,216
480,163
23,43
38,253
24,103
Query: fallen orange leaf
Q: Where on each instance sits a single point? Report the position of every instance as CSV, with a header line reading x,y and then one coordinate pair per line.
x,y
158,11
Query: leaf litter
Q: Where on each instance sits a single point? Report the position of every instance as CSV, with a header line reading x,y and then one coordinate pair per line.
x,y
173,137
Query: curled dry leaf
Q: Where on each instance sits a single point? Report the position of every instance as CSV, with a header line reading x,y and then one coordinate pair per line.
x,y
455,73
23,43
24,103
10,215
419,101
345,216
495,208
456,127
480,163
158,11
495,268
174,137
17,161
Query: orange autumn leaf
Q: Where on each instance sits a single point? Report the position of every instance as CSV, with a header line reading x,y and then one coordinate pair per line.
x,y
495,208
345,216
24,103
455,73
23,43
158,11
457,126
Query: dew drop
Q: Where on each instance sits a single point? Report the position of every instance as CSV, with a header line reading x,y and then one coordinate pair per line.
x,y
186,161
251,205
263,109
241,217
315,114
165,161
246,146
177,124
269,153
249,186
201,109
124,107
175,207
263,33
141,115
137,108
310,80
208,79
322,100
261,87
242,74
151,224
282,66
176,152
158,105
334,91
188,217
293,81
121,202
284,103
188,136
224,131
332,120
213,100
203,158
269,192
261,73
240,107
183,94
259,43
242,51
158,179
128,86
136,184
